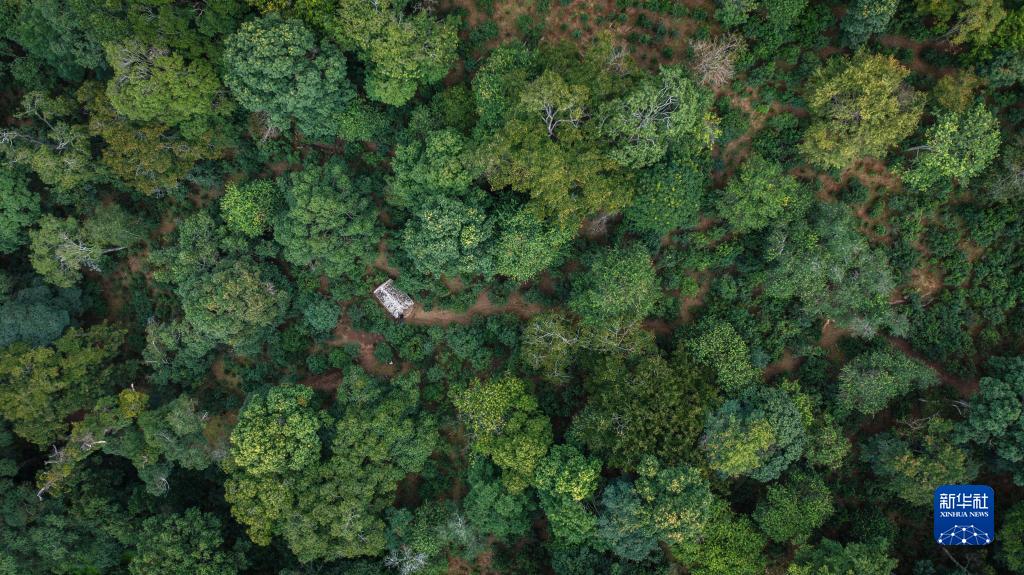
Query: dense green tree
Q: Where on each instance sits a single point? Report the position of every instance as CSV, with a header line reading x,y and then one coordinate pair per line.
x,y
730,544
958,147
668,197
19,209
329,226
37,315
182,544
506,425
277,68
565,480
865,18
623,524
995,416
860,107
152,158
793,509
237,304
758,435
721,348
617,290
526,244
435,166
154,84
834,272
451,238
757,194
402,52
662,109
1011,551
869,558
869,382
647,407
491,508
912,462
277,432
249,208
330,507
41,386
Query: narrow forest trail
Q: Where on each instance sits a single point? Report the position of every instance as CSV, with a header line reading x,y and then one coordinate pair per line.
x,y
483,306
965,387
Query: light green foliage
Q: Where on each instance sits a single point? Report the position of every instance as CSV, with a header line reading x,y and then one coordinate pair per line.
x,y
19,209
959,146
911,463
330,508
794,509
677,501
41,386
237,304
758,435
62,248
730,544
617,290
871,380
151,158
723,350
647,407
860,107
451,238
329,226
865,18
154,84
834,273
972,21
674,505
277,432
527,245
189,543
566,479
277,68
507,425
663,109
497,85
757,195
249,207
831,558
401,52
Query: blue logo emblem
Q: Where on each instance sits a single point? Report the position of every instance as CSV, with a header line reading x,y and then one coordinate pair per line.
x,y
964,515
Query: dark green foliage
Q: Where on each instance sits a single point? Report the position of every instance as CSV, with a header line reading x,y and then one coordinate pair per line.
x,y
647,406
268,71
19,208
328,226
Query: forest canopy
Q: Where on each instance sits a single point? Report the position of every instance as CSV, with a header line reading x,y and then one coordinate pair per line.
x,y
715,287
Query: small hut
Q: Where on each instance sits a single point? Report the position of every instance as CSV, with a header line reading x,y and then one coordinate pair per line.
x,y
396,301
